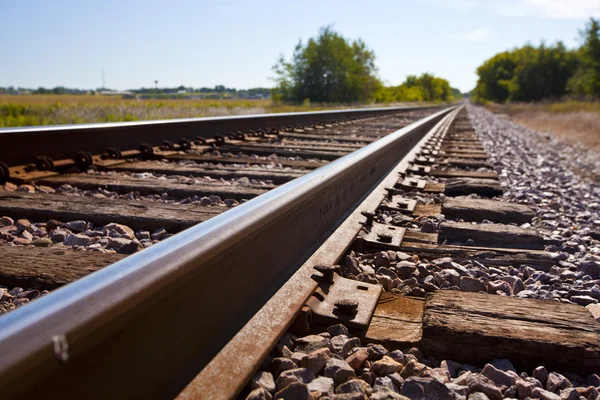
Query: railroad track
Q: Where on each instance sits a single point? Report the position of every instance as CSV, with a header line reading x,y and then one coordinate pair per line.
x,y
122,200
403,243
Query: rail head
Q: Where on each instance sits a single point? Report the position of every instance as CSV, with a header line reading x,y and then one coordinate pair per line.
x,y
161,315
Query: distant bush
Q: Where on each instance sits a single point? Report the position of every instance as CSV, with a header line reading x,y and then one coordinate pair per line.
x,y
423,88
545,72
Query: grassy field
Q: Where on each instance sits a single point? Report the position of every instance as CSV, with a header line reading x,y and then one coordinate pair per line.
x,y
573,121
33,110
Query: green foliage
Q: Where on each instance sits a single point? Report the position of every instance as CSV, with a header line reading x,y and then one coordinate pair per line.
x,y
327,69
423,88
542,73
456,93
494,78
586,80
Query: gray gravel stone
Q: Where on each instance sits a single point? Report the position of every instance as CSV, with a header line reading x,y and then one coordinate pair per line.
x,y
280,364
294,391
458,389
123,230
259,394
302,375
542,394
76,226
358,358
310,343
387,394
426,388
384,382
557,382
6,221
59,235
386,366
78,239
376,352
338,329
339,371
42,242
124,246
499,377
397,355
412,368
263,379
142,235
468,284
321,386
354,386
479,383
525,387
541,374
583,300
316,360
478,396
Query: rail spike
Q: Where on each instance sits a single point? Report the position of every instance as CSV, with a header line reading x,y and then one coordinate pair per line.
x,y
83,159
4,173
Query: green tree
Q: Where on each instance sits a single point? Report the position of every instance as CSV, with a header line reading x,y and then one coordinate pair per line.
x,y
456,93
586,80
494,77
416,88
541,73
526,74
328,68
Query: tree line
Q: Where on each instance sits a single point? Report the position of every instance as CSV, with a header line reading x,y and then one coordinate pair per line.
x,y
332,69
217,92
544,72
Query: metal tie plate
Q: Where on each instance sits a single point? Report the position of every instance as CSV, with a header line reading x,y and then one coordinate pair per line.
x,y
382,236
345,301
410,183
400,204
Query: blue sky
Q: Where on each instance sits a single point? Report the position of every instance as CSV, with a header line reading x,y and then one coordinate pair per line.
x,y
235,43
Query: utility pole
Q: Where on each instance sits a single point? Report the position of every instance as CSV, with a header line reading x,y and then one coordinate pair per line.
x,y
103,82
156,84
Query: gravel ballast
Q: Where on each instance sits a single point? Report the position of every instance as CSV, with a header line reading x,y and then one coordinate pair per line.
x,y
535,169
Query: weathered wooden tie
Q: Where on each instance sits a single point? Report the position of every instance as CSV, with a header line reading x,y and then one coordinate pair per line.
x,y
454,187
477,210
462,173
490,256
214,159
327,137
285,152
135,214
274,175
49,268
492,235
124,184
476,328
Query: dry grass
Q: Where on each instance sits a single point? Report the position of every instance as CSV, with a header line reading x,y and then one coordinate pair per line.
x,y
574,122
33,110
87,100
70,109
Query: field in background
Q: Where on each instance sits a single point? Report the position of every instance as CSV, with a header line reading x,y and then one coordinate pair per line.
x,y
573,121
33,110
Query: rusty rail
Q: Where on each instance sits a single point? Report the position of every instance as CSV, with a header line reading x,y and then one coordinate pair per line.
x,y
147,325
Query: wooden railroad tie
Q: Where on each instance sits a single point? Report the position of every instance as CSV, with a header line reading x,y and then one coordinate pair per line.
x,y
475,328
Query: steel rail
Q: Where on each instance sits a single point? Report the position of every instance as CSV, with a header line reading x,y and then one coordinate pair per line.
x,y
145,326
245,352
20,146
